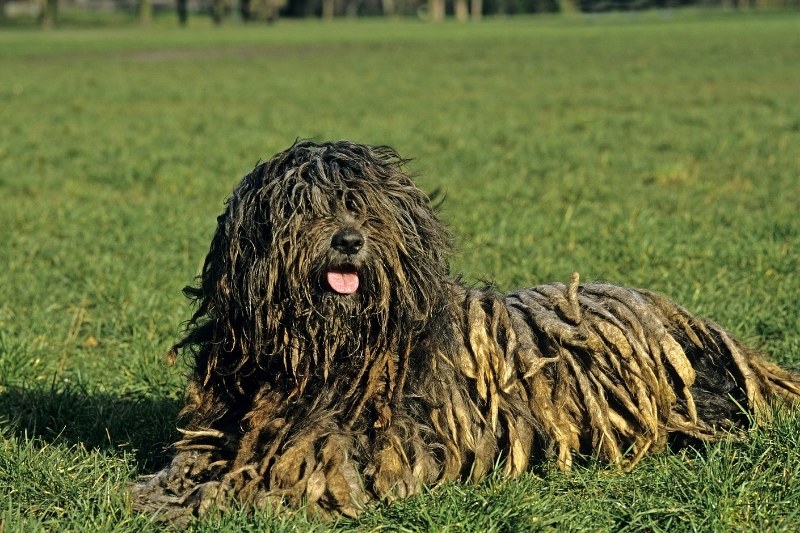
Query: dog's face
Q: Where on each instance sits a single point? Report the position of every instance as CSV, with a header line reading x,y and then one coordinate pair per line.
x,y
335,240
343,232
344,269
329,243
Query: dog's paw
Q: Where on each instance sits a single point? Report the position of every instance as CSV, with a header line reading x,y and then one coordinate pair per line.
x,y
390,475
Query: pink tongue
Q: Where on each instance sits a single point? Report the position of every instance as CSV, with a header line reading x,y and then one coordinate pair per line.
x,y
343,282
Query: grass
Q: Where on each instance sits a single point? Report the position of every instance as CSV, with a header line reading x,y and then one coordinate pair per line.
x,y
650,151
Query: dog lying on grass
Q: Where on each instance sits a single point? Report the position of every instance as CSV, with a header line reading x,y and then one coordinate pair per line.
x,y
337,362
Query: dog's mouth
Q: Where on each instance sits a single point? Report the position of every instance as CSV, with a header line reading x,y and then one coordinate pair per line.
x,y
343,280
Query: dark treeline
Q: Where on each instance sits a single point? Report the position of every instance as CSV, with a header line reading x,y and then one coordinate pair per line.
x,y
269,10
312,8
468,8
253,11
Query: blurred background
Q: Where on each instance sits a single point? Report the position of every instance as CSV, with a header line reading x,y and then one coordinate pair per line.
x,y
48,13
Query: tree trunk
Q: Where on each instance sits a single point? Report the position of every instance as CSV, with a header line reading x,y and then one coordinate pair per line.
x,y
246,10
145,12
351,8
436,10
273,9
462,12
477,9
328,7
49,13
568,7
217,11
388,7
183,11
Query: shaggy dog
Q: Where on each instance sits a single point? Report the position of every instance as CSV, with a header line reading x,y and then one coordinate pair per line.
x,y
337,362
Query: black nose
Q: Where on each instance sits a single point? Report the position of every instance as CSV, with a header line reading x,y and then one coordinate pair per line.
x,y
347,241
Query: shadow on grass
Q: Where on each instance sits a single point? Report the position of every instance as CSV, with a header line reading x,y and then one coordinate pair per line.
x,y
133,423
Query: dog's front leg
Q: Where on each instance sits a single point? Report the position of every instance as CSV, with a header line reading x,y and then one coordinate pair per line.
x,y
402,462
300,461
320,469
190,484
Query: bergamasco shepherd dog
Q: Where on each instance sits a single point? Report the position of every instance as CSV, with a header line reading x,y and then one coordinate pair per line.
x,y
336,361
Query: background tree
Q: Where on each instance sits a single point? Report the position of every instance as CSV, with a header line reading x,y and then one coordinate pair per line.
x,y
477,9
389,8
569,6
246,10
351,8
436,10
145,12
328,8
461,10
218,10
183,12
49,13
267,10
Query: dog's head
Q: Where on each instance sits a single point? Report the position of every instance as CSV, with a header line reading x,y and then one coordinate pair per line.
x,y
324,251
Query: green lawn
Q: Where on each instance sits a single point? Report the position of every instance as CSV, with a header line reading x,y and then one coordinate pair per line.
x,y
649,150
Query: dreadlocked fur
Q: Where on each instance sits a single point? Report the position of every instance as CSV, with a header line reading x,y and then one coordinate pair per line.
x,y
336,362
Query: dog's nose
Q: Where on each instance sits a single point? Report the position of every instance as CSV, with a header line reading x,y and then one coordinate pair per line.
x,y
347,241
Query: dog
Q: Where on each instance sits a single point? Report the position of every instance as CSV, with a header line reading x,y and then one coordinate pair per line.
x,y
337,362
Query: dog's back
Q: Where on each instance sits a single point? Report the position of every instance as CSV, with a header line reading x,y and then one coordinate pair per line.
x,y
608,371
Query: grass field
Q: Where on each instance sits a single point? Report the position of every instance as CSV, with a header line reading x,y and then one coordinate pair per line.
x,y
651,151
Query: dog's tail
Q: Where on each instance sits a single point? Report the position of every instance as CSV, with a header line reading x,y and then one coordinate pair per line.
x,y
754,382
776,382
763,381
